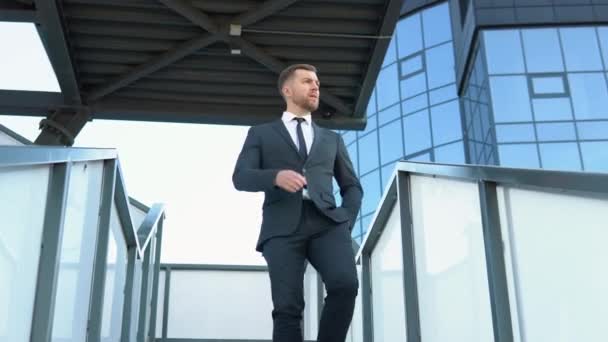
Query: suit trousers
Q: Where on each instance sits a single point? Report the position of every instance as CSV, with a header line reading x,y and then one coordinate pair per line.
x,y
327,246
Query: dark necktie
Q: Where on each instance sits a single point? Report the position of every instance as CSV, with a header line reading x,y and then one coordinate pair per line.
x,y
301,141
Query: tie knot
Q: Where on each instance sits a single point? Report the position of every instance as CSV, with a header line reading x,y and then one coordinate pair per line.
x,y
299,120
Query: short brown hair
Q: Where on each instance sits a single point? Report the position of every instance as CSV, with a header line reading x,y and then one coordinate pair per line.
x,y
289,71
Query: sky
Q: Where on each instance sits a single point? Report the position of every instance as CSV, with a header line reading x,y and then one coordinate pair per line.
x,y
187,167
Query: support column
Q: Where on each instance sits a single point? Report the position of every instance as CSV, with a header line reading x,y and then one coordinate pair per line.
x,y
62,126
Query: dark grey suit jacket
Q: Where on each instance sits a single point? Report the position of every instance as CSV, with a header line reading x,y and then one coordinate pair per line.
x,y
269,149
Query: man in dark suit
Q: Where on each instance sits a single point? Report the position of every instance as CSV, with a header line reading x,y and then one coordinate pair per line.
x,y
294,162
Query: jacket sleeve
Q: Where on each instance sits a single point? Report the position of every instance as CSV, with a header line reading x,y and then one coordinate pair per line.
x,y
350,188
248,174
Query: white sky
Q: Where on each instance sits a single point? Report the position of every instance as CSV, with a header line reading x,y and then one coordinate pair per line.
x,y
187,167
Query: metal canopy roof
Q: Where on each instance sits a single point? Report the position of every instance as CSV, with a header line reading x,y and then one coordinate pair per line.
x,y
205,61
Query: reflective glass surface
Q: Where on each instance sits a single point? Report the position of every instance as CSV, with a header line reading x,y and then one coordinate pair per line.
x,y
391,142
560,156
504,53
417,132
416,85
581,50
566,108
542,50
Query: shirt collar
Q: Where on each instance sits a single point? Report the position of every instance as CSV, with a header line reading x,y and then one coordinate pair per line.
x,y
288,116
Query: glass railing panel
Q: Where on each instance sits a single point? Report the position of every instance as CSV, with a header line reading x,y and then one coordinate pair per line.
x,y
160,306
149,298
355,332
23,194
311,315
206,305
387,283
77,252
137,216
6,140
557,256
116,276
450,261
136,297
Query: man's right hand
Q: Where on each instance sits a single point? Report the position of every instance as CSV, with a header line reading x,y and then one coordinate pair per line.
x,y
290,180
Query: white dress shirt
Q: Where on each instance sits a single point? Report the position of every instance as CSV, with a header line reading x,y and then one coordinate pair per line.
x,y
292,128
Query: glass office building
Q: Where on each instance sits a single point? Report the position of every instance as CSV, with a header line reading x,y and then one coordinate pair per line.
x,y
531,97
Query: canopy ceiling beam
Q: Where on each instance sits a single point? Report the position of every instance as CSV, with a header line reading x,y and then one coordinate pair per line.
x,y
57,48
153,65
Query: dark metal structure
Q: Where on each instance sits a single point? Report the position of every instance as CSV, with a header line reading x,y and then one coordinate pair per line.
x,y
199,61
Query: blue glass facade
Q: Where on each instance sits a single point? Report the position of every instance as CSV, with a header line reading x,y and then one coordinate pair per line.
x,y
538,97
414,111
533,97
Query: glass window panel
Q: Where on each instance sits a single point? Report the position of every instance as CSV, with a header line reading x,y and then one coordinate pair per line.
x,y
389,114
371,187
365,222
580,49
413,85
485,124
543,53
443,94
446,123
415,104
589,95
417,132
595,156
371,105
603,34
503,52
391,142
560,156
440,65
391,52
552,109
450,154
555,131
368,152
411,65
356,232
514,133
336,190
387,173
510,98
409,33
518,155
592,130
548,85
349,137
354,156
426,157
372,124
388,87
436,23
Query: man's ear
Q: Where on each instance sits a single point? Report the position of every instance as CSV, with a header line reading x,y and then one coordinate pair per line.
x,y
286,91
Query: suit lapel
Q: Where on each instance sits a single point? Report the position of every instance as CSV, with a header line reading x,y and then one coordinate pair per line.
x,y
317,136
279,126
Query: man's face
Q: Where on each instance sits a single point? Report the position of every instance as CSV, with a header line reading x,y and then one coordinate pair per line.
x,y
304,89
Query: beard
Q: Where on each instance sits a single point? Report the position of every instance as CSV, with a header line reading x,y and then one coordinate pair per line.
x,y
307,103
